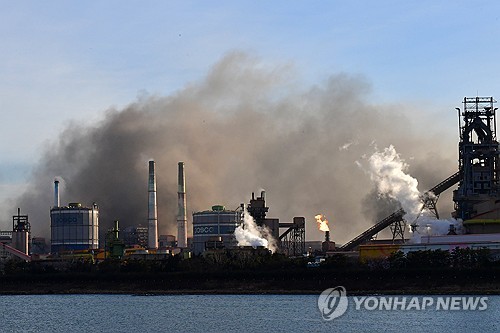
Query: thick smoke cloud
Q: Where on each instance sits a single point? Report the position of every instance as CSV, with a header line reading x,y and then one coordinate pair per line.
x,y
245,126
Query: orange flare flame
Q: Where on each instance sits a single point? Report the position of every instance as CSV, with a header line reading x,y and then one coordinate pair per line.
x,y
322,222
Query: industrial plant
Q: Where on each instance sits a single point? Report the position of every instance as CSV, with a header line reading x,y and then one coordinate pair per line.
x,y
475,222
476,219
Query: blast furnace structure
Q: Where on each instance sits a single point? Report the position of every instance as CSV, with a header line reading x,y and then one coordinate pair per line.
x,y
477,199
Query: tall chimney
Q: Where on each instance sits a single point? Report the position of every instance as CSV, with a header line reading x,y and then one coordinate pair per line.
x,y
57,202
181,215
152,209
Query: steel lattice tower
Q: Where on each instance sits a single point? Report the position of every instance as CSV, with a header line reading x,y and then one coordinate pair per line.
x,y
478,156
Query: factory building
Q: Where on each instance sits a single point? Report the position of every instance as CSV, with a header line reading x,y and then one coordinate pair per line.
x,y
135,235
38,245
74,227
6,237
166,241
15,244
215,228
21,232
291,242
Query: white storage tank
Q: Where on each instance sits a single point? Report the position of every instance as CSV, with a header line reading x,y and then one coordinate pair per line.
x,y
215,223
74,228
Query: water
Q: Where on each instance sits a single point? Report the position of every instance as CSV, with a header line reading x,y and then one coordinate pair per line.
x,y
223,313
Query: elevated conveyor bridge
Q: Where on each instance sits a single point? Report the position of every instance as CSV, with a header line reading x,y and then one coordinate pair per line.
x,y
397,217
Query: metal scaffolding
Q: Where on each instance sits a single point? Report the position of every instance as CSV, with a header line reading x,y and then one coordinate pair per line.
x,y
293,240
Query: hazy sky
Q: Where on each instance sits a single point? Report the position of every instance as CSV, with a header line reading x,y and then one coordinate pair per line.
x,y
64,61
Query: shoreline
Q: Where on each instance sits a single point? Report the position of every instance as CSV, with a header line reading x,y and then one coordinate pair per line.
x,y
235,293
138,290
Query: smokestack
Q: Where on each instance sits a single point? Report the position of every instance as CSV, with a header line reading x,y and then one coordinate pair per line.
x,y
116,230
56,193
327,236
181,215
152,209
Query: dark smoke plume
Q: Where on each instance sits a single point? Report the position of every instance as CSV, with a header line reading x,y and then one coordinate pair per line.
x,y
242,128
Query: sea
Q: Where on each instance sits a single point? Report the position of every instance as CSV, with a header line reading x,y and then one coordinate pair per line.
x,y
226,313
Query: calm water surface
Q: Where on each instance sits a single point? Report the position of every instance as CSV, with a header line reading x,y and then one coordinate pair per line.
x,y
223,313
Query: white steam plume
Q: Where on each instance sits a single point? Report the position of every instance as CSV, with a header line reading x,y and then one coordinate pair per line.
x,y
250,234
388,171
427,226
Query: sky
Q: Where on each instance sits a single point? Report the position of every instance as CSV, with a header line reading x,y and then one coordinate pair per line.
x,y
66,62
